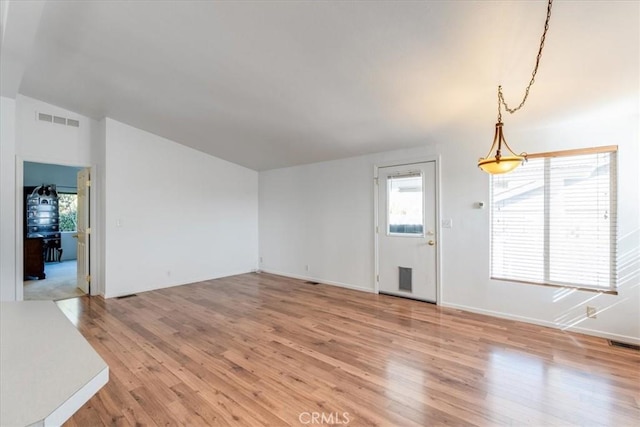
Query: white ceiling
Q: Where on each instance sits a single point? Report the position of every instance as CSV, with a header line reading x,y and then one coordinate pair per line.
x,y
267,84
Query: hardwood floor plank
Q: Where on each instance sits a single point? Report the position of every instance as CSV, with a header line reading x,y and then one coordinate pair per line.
x,y
264,350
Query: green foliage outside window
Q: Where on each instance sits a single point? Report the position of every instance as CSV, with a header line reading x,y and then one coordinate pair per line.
x,y
68,209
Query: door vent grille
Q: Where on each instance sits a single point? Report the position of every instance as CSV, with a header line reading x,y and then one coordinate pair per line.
x,y
127,296
50,118
404,279
624,345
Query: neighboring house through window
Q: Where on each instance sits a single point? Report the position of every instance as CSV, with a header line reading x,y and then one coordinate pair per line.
x,y
553,220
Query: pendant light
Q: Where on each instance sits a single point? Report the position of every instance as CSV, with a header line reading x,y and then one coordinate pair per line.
x,y
506,162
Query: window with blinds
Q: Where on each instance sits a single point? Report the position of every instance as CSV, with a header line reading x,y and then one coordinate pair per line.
x,y
553,220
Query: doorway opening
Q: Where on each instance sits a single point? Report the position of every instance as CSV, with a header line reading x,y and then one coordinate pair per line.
x,y
50,232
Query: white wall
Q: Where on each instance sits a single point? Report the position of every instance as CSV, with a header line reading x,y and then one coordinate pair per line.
x,y
173,215
59,149
7,199
44,142
196,219
98,179
321,215
35,141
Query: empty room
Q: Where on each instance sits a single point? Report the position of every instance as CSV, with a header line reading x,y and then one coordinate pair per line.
x,y
320,213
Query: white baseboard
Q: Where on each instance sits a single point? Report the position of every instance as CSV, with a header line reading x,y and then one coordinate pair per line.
x,y
322,281
586,331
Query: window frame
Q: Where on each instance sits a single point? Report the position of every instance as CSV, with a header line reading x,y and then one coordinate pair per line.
x,y
389,180
612,289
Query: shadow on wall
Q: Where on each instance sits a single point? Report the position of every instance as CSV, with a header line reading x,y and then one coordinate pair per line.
x,y
628,269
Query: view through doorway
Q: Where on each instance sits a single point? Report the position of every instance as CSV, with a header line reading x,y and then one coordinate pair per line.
x,y
51,268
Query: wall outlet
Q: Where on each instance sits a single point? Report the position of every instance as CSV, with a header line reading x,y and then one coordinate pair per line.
x,y
591,312
260,260
168,273
306,267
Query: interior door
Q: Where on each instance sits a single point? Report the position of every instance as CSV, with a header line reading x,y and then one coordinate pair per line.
x,y
84,230
406,231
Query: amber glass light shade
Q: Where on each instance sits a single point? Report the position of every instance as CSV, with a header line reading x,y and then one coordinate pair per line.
x,y
495,164
504,165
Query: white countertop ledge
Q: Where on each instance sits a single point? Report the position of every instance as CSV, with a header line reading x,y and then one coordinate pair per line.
x,y
47,369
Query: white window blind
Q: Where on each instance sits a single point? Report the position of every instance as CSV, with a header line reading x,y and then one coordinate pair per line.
x,y
553,221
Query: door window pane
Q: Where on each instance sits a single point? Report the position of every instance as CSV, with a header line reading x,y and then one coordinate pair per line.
x,y
405,205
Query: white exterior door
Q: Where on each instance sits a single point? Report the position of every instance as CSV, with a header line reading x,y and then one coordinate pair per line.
x,y
406,231
83,182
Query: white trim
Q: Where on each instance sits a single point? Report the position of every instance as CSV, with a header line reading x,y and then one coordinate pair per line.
x,y
376,231
96,287
321,281
440,239
568,328
376,174
19,231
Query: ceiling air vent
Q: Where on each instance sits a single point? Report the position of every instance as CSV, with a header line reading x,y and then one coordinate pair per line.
x,y
45,117
50,118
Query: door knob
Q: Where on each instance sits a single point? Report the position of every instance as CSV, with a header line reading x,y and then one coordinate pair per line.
x,y
431,242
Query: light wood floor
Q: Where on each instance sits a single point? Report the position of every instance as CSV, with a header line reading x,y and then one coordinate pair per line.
x,y
258,349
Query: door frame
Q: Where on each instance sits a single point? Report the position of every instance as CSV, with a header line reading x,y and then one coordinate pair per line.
x,y
19,221
376,225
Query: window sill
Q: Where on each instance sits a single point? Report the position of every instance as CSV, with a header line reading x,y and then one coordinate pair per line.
x,y
577,288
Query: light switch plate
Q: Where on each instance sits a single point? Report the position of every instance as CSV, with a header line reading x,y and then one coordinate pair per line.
x,y
447,223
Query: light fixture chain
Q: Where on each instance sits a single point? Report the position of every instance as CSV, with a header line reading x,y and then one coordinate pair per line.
x,y
533,74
